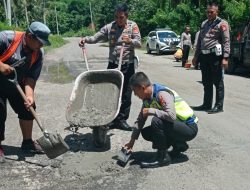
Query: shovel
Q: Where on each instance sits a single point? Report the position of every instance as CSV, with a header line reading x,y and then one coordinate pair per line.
x,y
52,144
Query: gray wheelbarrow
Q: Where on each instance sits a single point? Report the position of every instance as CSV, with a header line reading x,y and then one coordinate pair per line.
x,y
52,144
95,99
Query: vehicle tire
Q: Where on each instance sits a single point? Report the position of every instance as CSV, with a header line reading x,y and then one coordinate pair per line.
x,y
148,49
99,136
158,52
232,65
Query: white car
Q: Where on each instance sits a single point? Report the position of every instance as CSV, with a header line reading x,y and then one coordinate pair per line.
x,y
162,40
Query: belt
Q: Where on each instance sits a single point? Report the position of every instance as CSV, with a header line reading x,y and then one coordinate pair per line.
x,y
208,51
123,62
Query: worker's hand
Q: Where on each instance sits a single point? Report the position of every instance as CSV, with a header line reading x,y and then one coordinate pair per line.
x,y
130,145
194,61
145,112
82,42
225,63
30,102
6,69
126,39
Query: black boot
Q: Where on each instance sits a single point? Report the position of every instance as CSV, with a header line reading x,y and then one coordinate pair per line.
x,y
162,159
202,107
216,109
178,148
123,125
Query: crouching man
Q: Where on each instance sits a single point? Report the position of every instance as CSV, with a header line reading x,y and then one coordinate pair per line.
x,y
173,122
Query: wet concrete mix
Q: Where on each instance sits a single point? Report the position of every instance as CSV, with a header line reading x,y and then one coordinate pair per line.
x,y
100,103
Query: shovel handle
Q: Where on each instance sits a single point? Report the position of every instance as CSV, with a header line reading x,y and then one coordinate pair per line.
x,y
31,108
121,54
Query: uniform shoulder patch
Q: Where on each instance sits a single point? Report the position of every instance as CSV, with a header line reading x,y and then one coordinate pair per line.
x,y
224,26
135,29
162,100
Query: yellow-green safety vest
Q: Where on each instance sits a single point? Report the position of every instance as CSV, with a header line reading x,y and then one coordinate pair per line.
x,y
183,111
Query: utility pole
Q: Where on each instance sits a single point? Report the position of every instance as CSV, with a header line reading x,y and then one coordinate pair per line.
x,y
91,17
44,12
9,11
57,28
26,12
5,8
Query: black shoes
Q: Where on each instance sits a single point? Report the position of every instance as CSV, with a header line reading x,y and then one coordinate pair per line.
x,y
31,147
216,109
123,125
178,148
162,159
201,108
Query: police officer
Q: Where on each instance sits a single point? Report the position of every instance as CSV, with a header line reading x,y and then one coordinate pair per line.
x,y
185,44
213,47
14,46
173,122
117,32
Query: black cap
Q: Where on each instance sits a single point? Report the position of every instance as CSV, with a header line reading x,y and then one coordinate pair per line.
x,y
41,31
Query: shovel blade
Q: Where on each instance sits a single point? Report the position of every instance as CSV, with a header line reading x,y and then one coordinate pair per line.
x,y
53,145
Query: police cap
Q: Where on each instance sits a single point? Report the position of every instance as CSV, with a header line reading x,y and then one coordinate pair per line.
x,y
40,31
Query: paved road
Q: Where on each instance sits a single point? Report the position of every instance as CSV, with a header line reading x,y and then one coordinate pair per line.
x,y
218,158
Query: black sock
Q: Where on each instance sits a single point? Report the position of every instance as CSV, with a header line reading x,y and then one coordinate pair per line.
x,y
27,141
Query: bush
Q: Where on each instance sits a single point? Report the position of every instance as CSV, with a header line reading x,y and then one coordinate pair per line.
x,y
56,41
83,32
5,26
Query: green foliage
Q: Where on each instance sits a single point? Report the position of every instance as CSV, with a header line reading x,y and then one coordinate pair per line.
x,y
5,26
80,33
160,19
74,16
141,12
56,41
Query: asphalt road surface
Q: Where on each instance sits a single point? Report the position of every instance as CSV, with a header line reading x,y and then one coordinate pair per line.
x,y
218,158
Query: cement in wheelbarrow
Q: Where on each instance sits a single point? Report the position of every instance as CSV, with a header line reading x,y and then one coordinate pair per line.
x,y
96,98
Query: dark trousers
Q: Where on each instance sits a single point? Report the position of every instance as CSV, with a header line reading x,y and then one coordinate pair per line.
x,y
9,92
128,70
186,49
163,133
212,74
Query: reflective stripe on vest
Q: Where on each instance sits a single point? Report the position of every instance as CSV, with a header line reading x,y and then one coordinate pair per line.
x,y
13,47
183,110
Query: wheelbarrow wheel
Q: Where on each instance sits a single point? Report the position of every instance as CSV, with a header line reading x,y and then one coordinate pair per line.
x,y
99,136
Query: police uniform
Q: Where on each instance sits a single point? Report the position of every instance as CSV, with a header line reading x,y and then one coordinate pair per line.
x,y
173,123
185,46
113,33
173,120
212,34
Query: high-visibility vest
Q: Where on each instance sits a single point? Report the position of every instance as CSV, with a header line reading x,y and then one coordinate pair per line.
x,y
183,111
13,47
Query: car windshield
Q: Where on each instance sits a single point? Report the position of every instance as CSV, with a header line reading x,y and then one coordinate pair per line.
x,y
166,35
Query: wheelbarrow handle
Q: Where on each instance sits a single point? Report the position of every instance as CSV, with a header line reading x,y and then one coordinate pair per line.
x,y
20,90
121,54
85,57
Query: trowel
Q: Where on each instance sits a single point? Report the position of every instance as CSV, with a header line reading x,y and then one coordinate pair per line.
x,y
123,156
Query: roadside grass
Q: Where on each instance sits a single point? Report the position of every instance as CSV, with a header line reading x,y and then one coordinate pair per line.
x,y
60,74
56,42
